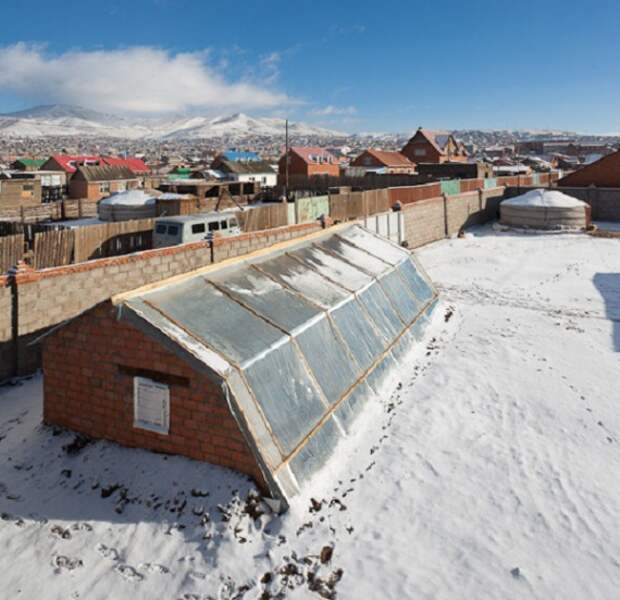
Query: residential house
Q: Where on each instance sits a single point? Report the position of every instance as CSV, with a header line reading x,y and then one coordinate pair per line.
x,y
18,193
245,171
96,182
28,164
434,147
308,161
604,172
70,163
381,161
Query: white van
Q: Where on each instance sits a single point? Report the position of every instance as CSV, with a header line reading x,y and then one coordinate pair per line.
x,y
170,231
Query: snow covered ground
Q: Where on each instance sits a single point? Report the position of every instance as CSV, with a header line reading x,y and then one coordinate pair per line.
x,y
491,471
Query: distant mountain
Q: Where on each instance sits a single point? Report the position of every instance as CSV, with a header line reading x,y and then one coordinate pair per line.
x,y
64,120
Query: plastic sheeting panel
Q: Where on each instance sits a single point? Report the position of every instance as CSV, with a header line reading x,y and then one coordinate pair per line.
x,y
304,280
334,268
220,322
305,339
268,298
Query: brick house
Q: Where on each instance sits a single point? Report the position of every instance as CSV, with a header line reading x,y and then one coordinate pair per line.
x,y
308,161
70,163
434,147
95,183
604,172
373,160
261,364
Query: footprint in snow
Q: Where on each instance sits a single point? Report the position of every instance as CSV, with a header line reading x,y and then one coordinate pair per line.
x,y
129,573
154,568
197,575
107,552
64,563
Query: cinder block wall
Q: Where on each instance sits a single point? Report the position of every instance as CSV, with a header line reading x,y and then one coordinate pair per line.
x,y
424,222
6,343
50,296
431,220
89,367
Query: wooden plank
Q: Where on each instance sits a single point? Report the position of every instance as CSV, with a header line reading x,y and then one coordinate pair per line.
x,y
53,248
11,251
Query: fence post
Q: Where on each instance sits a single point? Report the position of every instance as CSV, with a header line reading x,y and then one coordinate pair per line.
x,y
445,214
12,272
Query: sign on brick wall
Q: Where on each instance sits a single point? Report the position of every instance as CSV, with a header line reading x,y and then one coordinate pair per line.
x,y
151,405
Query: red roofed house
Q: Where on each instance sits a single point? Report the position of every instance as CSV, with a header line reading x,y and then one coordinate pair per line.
x,y
434,147
308,162
69,163
381,160
604,172
137,165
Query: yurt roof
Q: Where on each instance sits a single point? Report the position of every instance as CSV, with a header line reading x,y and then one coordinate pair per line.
x,y
129,198
545,199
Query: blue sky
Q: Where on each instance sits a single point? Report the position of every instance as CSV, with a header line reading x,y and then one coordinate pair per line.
x,y
357,66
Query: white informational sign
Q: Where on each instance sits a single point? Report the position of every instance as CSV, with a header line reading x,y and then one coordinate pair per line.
x,y
151,405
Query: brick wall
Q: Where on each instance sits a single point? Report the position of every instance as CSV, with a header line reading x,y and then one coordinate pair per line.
x,y
89,367
424,222
6,343
432,219
50,296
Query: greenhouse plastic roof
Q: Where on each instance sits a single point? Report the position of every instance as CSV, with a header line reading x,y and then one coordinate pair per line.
x,y
301,337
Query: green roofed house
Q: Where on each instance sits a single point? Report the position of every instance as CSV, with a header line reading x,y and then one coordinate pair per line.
x,y
180,173
28,164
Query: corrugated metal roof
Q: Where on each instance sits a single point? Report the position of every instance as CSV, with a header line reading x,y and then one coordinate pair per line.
x,y
302,337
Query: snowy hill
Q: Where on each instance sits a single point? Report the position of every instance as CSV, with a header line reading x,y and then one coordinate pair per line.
x,y
63,120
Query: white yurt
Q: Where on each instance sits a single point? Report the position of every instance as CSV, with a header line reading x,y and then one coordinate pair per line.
x,y
131,204
544,209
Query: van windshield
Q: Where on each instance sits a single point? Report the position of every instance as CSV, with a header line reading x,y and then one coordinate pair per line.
x,y
160,229
173,229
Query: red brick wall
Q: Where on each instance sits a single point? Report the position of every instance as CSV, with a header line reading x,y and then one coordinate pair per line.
x,y
298,166
85,391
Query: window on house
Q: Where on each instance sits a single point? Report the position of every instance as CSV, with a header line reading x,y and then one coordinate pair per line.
x,y
198,228
151,405
419,152
104,187
28,187
264,179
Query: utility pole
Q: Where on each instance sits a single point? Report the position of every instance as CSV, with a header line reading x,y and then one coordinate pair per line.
x,y
286,155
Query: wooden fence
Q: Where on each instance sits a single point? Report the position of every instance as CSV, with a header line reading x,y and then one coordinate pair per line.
x,y
112,239
53,248
11,251
63,209
264,217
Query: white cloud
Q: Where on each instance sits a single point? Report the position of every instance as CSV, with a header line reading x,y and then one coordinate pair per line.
x,y
331,110
137,79
270,67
